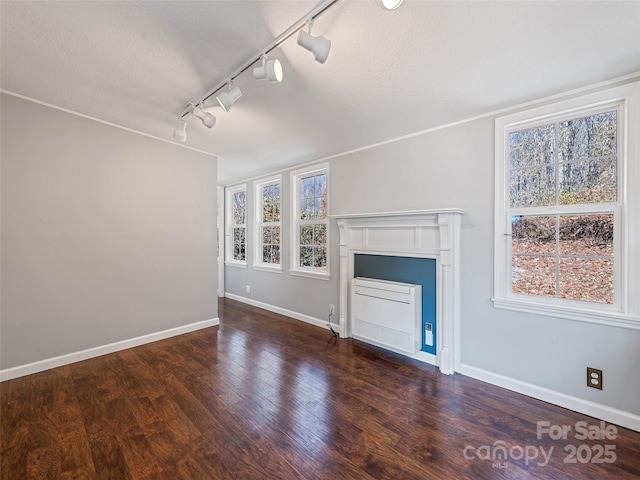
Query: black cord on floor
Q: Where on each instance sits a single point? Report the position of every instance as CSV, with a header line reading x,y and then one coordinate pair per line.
x,y
331,328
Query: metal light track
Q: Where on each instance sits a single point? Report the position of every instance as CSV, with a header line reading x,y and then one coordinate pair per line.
x,y
294,28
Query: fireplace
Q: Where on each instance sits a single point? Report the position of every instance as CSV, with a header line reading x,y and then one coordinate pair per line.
x,y
431,234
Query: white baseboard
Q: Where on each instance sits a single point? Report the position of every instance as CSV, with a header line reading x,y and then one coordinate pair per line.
x,y
282,311
603,412
39,366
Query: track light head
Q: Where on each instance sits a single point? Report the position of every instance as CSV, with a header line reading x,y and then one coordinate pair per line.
x,y
180,133
319,46
228,98
207,119
270,69
389,4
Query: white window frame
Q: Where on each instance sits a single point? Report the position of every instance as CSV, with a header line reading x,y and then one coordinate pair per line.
x,y
230,191
625,311
296,269
258,263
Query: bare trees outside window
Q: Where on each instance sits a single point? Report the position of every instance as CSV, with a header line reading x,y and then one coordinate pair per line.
x,y
310,234
563,186
269,223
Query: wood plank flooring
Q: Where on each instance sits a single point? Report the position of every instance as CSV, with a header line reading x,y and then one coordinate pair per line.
x,y
263,396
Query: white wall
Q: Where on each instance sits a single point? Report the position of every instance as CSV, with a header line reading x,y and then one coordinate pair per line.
x,y
107,235
542,356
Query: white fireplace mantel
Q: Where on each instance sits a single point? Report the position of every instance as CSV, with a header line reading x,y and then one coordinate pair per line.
x,y
417,233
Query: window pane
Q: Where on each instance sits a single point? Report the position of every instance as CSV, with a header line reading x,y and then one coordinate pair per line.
x,y
306,256
321,194
306,235
307,208
531,234
320,260
586,235
266,235
531,187
275,209
533,275
267,212
271,245
588,137
320,207
275,235
238,235
307,187
238,207
321,185
320,235
238,252
271,203
591,181
587,279
532,147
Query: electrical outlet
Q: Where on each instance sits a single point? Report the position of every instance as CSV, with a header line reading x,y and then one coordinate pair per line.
x,y
247,288
594,378
332,309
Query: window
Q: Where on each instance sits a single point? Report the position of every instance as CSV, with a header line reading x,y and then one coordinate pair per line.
x,y
310,255
566,173
268,224
561,218
236,225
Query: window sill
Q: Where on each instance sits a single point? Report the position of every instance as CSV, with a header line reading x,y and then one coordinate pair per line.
x,y
310,274
229,263
267,268
601,317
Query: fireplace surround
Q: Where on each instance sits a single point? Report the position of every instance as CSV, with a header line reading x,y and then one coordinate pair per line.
x,y
418,234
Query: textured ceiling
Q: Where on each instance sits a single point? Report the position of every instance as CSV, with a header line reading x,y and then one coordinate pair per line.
x,y
389,74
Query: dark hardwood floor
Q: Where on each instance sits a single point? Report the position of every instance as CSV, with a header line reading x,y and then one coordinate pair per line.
x,y
267,397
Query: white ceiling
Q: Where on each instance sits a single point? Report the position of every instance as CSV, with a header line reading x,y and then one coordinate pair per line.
x,y
389,74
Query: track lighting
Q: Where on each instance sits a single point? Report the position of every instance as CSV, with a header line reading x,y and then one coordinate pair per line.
x,y
389,4
270,69
319,46
228,98
180,133
207,119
